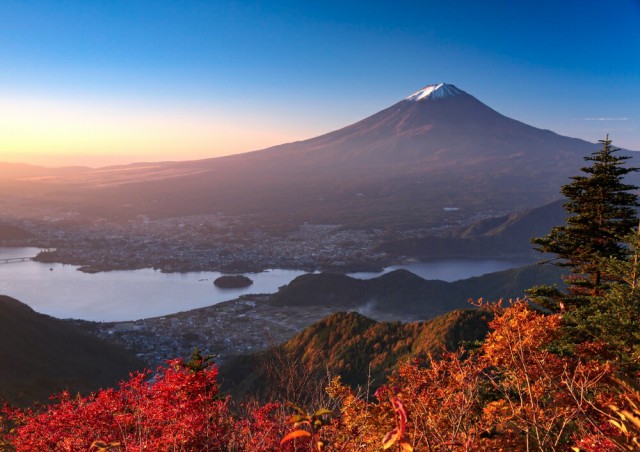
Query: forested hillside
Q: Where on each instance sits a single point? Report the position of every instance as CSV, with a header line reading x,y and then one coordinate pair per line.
x,y
362,351
407,295
508,235
41,354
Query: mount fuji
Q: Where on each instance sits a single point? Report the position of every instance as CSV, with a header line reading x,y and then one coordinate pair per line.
x,y
439,152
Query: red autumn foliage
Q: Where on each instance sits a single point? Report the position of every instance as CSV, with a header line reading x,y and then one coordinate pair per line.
x,y
258,428
178,409
513,393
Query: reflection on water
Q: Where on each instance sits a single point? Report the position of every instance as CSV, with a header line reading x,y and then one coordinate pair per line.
x,y
450,269
62,291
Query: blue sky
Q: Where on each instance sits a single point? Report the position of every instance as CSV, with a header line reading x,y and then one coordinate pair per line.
x,y
100,82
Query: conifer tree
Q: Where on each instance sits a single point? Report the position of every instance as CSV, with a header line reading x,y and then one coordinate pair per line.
x,y
614,318
601,212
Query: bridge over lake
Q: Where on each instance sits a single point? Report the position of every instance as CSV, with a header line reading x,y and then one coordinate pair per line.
x,y
14,259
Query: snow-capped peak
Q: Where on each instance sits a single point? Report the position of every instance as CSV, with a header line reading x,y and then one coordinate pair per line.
x,y
438,91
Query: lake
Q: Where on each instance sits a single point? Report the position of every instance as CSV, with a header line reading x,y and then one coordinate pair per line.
x,y
451,269
62,291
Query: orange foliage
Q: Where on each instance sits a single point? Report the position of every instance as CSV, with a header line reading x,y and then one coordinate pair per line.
x,y
542,397
513,393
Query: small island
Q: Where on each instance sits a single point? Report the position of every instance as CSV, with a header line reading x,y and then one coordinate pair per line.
x,y
232,282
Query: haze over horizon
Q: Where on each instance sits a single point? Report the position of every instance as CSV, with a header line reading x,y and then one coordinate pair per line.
x,y
88,83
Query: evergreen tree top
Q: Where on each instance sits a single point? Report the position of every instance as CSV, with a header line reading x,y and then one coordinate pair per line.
x,y
601,210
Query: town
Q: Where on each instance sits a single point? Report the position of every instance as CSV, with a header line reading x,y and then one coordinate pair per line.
x,y
214,242
245,325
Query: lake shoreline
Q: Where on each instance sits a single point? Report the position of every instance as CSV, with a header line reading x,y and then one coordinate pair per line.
x,y
356,267
60,290
243,267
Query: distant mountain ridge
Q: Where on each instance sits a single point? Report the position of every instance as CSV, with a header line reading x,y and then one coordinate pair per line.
x,y
440,147
408,296
498,237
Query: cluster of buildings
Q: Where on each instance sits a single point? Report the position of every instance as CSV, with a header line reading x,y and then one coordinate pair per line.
x,y
240,326
206,243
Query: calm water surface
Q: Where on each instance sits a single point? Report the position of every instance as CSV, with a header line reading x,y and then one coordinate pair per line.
x,y
451,269
62,291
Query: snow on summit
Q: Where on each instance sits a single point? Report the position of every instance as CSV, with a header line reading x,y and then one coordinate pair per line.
x,y
438,91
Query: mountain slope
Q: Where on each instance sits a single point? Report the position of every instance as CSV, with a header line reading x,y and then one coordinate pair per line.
x,y
408,296
400,166
503,236
352,346
9,232
41,355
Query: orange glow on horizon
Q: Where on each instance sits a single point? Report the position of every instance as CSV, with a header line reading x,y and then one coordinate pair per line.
x,y
61,133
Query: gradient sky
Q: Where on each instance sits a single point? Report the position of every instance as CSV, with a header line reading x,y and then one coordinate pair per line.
x,y
94,82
